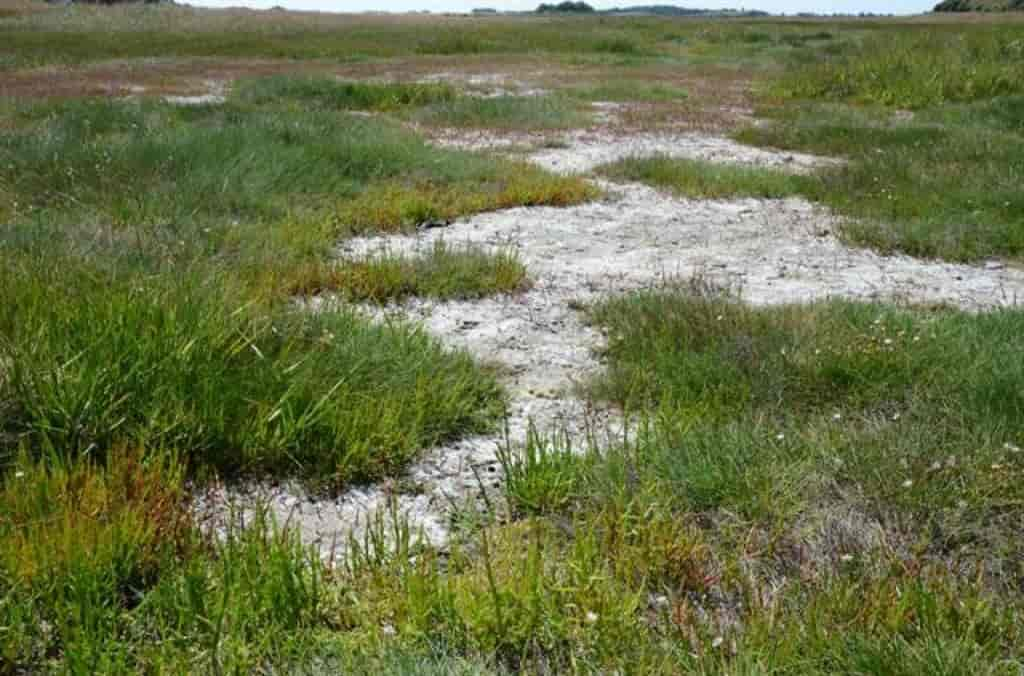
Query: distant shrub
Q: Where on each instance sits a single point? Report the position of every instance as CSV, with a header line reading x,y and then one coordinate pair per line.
x,y
566,7
953,6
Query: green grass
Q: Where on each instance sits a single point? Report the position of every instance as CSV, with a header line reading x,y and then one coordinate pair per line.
x,y
153,250
160,183
628,91
444,272
75,35
887,395
914,186
942,182
705,180
102,566
505,112
826,488
340,95
98,359
82,34
920,69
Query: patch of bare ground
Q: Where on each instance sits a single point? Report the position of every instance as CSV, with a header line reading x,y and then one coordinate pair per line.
x,y
189,76
771,251
583,150
148,77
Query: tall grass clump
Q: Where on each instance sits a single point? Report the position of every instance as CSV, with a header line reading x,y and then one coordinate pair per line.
x,y
92,359
628,91
339,95
505,112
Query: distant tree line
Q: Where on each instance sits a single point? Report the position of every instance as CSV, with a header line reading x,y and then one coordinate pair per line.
x,y
108,2
978,6
566,7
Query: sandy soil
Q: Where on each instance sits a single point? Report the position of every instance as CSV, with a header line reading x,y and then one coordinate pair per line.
x,y
771,252
579,152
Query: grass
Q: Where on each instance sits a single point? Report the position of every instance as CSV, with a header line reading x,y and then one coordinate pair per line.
x,y
332,94
705,180
98,359
193,183
939,183
443,272
505,112
926,68
431,104
73,36
825,488
904,402
183,244
629,91
928,128
773,513
124,566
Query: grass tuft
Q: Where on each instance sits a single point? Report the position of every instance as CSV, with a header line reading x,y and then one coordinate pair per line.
x,y
97,360
628,91
338,95
443,272
505,112
705,180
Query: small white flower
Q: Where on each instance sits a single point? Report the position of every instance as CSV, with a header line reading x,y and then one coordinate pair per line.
x,y
591,617
780,436
717,642
846,558
19,474
908,483
887,341
837,417
1012,448
895,416
388,630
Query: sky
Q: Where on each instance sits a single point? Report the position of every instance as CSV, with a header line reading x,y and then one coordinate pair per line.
x,y
774,6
